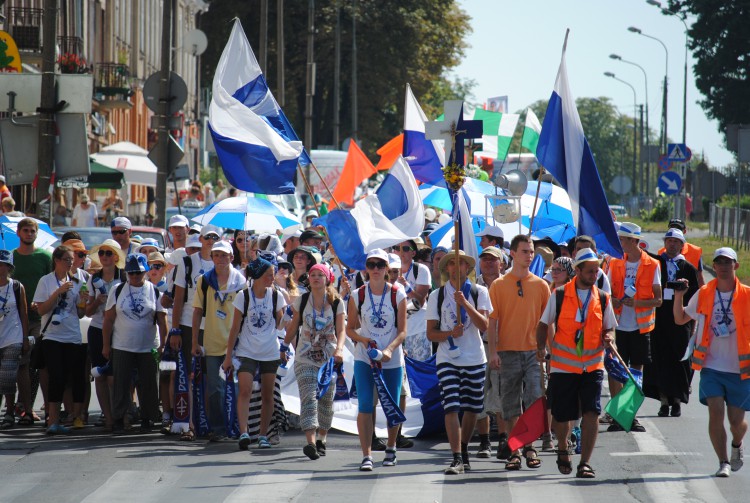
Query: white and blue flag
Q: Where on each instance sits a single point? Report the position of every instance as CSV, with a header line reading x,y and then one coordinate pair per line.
x,y
394,213
425,157
564,151
256,145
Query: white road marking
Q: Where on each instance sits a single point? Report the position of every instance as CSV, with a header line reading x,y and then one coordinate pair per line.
x,y
681,488
132,485
654,453
18,485
412,487
544,488
270,487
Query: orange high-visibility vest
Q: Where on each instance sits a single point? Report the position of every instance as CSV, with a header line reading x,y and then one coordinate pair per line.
x,y
691,253
741,300
563,347
644,277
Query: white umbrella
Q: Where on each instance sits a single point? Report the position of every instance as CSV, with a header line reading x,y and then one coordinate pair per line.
x,y
131,160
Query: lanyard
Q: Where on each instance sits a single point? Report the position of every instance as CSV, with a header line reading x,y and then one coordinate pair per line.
x,y
315,316
5,299
64,295
583,307
725,320
379,312
263,304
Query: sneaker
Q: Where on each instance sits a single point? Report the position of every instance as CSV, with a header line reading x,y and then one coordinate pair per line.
x,y
485,450
724,470
57,429
366,465
736,460
615,426
663,411
263,442
676,410
404,443
503,451
547,444
465,458
456,467
311,452
377,443
78,423
577,434
637,427
320,446
390,457
244,441
605,419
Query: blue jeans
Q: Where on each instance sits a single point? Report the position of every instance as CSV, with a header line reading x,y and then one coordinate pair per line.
x,y
215,395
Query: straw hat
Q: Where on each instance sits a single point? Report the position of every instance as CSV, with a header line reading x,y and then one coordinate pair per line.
x,y
444,277
111,244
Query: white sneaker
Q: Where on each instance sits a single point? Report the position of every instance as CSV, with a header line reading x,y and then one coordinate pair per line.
x,y
724,470
736,461
456,467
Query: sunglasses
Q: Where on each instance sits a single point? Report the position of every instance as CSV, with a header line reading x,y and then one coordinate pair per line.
x,y
81,254
520,288
402,248
135,273
376,265
120,232
105,253
157,267
212,237
555,269
67,260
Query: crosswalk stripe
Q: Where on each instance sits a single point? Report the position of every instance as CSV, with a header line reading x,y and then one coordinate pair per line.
x,y
135,485
17,485
543,488
407,487
270,487
680,487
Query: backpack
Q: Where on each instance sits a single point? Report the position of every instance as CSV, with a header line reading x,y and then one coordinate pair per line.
x,y
119,288
474,292
246,303
188,261
560,297
600,281
361,298
123,277
334,306
16,286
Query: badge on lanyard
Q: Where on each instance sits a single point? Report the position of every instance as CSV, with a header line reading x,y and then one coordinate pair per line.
x,y
221,314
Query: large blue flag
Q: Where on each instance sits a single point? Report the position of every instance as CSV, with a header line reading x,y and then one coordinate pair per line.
x,y
425,157
393,214
256,145
564,151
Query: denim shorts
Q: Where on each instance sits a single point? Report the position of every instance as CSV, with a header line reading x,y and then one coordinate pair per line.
x,y
731,387
520,379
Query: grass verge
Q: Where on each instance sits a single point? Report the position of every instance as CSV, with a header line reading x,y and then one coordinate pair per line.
x,y
661,226
709,244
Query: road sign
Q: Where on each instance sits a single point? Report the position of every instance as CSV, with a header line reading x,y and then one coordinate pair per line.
x,y
664,163
669,182
621,185
678,152
177,93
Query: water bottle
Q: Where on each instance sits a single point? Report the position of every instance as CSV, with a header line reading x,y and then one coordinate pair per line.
x,y
375,354
168,359
56,318
98,284
81,300
162,286
155,354
630,291
102,370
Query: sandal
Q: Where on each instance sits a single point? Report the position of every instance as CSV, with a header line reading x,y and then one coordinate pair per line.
x,y
532,457
187,436
585,471
514,463
166,427
564,466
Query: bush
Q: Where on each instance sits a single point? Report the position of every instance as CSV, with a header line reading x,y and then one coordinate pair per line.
x,y
730,201
659,213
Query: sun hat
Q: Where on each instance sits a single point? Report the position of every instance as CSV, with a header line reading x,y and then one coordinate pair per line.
x,y
629,230
310,251
585,255
156,257
113,245
444,277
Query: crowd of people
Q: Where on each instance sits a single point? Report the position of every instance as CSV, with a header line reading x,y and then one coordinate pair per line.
x,y
239,309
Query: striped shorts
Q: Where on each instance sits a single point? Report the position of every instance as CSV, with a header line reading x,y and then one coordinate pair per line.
x,y
9,358
461,388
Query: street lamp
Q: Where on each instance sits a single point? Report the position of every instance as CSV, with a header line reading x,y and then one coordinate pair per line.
x,y
633,29
645,185
685,73
635,123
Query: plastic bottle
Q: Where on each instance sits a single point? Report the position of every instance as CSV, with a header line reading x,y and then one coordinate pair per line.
x,y
81,300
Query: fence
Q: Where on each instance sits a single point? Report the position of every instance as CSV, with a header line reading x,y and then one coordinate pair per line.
x,y
724,223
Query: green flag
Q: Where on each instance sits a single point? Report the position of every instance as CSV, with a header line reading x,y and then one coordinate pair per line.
x,y
497,131
531,132
624,406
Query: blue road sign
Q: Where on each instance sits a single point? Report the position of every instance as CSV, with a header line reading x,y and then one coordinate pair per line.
x,y
678,152
669,182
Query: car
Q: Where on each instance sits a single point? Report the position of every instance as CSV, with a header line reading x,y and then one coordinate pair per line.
x,y
92,236
618,210
160,235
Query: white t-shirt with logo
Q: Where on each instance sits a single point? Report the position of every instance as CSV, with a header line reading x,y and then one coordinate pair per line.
x,y
722,349
378,323
200,267
68,330
11,330
97,320
134,329
627,321
257,338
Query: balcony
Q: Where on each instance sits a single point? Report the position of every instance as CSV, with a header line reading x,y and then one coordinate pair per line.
x,y
112,85
26,24
71,45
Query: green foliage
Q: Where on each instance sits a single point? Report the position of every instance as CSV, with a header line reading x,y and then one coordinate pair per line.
x,y
730,201
410,41
660,211
720,45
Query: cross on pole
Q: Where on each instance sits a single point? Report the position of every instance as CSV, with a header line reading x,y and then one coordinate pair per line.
x,y
453,130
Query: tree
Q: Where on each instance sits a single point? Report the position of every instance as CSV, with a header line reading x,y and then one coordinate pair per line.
x,y
720,45
410,41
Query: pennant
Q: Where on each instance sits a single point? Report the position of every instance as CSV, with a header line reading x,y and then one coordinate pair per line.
x,y
357,168
341,397
230,406
530,426
181,412
624,406
531,131
425,157
325,376
390,152
200,418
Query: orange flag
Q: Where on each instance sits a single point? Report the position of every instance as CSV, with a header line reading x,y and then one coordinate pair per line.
x,y
357,167
389,152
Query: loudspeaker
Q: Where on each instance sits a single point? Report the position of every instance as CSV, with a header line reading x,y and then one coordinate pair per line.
x,y
506,213
513,181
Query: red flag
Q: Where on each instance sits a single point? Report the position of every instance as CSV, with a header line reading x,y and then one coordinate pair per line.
x,y
356,168
531,424
389,152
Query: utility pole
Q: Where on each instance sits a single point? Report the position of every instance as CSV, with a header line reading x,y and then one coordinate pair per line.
x,y
640,144
263,35
280,52
337,79
163,142
310,83
48,102
355,125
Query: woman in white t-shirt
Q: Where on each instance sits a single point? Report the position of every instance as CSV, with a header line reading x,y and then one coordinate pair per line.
x,y
13,326
131,318
321,336
373,321
112,259
253,341
56,298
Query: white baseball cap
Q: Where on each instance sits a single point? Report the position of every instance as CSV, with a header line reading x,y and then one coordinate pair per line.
x,y
223,246
491,230
378,253
193,241
429,214
725,252
676,234
210,229
178,221
394,261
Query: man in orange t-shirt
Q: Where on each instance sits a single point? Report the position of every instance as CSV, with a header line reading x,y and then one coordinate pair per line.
x,y
518,301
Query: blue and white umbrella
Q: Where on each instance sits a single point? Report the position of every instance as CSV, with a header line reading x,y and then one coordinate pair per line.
x,y
248,213
9,239
554,218
474,191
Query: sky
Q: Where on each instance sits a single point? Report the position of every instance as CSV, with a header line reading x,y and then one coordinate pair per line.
x,y
515,50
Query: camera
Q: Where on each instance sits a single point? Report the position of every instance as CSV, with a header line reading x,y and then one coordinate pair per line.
x,y
677,286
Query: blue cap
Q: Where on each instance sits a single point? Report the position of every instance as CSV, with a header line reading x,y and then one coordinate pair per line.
x,y
136,262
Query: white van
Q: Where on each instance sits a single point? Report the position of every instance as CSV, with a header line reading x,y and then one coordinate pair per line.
x,y
330,164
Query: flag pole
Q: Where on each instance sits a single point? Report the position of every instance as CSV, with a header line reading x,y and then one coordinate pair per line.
x,y
536,199
627,369
317,209
328,189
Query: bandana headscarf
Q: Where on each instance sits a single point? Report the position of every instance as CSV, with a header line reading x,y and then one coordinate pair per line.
x,y
257,267
325,269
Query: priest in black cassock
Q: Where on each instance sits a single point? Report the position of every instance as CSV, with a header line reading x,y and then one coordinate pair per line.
x,y
667,378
